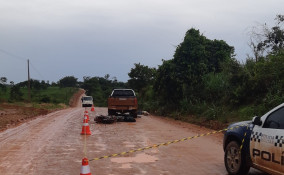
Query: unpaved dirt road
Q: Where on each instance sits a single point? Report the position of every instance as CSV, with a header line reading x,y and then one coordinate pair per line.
x,y
52,144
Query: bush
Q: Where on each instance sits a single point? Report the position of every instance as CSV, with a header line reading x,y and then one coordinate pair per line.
x,y
213,112
246,113
45,99
16,94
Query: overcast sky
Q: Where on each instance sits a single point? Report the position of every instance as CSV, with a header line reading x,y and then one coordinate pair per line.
x,y
97,37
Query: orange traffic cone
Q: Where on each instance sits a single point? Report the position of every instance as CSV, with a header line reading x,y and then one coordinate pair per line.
x,y
93,108
86,119
86,129
85,168
87,116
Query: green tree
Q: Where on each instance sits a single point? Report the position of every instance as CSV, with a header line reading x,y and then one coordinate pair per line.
x,y
68,81
196,56
166,85
44,84
3,87
15,93
141,76
3,81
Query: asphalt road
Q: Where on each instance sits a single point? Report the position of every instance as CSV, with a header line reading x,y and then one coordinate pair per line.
x,y
52,144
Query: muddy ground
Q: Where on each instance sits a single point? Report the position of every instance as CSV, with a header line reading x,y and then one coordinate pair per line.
x,y
12,115
52,144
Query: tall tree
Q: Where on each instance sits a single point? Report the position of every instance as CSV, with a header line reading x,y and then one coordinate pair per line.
x,y
3,81
68,81
195,57
141,76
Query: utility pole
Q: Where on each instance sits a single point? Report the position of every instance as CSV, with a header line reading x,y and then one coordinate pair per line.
x,y
29,82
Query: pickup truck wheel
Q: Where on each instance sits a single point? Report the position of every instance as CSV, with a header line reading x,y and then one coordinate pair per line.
x,y
111,112
235,161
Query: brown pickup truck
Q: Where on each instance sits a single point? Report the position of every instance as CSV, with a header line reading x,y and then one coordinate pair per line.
x,y
122,101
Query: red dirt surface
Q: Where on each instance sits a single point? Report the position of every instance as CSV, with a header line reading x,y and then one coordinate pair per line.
x,y
52,144
75,100
12,115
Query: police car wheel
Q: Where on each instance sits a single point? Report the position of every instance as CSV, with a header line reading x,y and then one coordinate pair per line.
x,y
235,162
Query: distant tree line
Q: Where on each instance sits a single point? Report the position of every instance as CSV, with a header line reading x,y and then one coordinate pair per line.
x,y
98,87
18,92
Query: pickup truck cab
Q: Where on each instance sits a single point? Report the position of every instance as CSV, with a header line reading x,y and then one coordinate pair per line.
x,y
87,101
122,101
263,146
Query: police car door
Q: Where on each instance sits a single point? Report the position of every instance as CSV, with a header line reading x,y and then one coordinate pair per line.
x,y
267,142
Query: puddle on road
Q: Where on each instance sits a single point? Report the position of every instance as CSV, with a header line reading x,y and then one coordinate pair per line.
x,y
128,144
139,158
69,149
100,146
125,166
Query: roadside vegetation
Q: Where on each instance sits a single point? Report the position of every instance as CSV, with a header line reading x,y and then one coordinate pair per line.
x,y
204,82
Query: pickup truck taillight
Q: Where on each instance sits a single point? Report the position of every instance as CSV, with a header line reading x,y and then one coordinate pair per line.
x,y
135,101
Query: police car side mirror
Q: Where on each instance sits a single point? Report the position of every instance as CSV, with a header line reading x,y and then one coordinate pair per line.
x,y
256,121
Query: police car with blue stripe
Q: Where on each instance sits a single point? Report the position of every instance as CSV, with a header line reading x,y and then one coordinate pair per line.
x,y
258,143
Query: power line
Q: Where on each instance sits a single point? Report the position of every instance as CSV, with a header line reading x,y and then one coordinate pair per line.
x,y
37,70
22,59
13,55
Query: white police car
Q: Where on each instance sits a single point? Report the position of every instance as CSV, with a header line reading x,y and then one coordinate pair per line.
x,y
263,146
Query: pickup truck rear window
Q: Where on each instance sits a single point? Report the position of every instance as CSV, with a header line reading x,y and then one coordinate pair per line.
x,y
123,93
87,98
